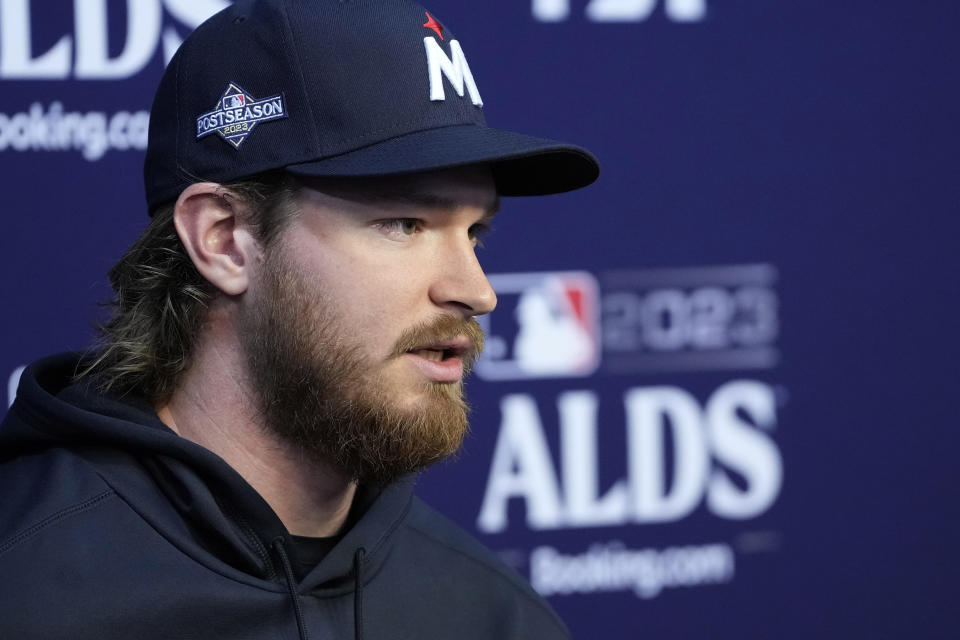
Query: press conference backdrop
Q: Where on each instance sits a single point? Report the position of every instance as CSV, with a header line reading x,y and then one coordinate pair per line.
x,y
719,396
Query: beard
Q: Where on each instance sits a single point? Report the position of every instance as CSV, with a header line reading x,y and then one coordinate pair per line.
x,y
318,391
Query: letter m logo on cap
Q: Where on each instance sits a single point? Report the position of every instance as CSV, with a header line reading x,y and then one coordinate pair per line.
x,y
455,69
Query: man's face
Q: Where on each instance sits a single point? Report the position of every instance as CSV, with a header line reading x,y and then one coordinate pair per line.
x,y
359,327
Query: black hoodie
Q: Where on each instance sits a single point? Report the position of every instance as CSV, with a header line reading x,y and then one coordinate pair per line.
x,y
112,526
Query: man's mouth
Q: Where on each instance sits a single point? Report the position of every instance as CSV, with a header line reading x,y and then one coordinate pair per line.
x,y
443,361
439,351
432,354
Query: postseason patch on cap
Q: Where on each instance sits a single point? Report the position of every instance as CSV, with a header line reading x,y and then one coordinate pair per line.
x,y
237,113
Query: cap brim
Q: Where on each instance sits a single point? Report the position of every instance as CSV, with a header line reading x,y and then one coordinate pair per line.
x,y
522,165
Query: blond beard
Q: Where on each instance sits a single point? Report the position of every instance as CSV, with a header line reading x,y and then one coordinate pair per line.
x,y
317,390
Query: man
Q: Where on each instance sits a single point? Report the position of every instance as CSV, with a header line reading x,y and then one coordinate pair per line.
x,y
287,348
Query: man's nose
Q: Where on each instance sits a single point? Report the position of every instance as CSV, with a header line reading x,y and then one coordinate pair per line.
x,y
460,284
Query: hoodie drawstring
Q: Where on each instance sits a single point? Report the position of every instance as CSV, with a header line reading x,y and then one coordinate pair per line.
x,y
292,586
358,593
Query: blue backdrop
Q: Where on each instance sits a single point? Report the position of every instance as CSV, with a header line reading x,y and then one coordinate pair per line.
x,y
719,396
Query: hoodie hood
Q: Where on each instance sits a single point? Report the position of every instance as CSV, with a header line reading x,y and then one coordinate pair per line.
x,y
203,506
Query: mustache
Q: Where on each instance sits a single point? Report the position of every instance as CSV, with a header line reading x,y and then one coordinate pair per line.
x,y
440,330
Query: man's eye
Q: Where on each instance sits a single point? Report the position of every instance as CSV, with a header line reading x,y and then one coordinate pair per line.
x,y
477,233
406,226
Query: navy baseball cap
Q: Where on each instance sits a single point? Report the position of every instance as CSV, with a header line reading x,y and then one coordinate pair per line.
x,y
334,88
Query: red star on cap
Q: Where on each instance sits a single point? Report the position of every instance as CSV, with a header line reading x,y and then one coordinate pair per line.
x,y
433,24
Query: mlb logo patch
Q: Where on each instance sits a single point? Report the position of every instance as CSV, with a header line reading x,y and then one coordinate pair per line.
x,y
237,113
546,325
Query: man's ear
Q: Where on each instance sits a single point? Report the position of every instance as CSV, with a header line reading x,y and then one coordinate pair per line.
x,y
222,249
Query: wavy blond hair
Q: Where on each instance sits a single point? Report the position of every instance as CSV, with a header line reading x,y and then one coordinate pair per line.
x,y
160,299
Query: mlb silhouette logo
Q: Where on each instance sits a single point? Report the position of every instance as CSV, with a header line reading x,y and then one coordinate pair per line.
x,y
234,101
546,325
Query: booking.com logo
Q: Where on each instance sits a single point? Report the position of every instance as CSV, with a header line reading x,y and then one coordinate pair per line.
x,y
546,326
